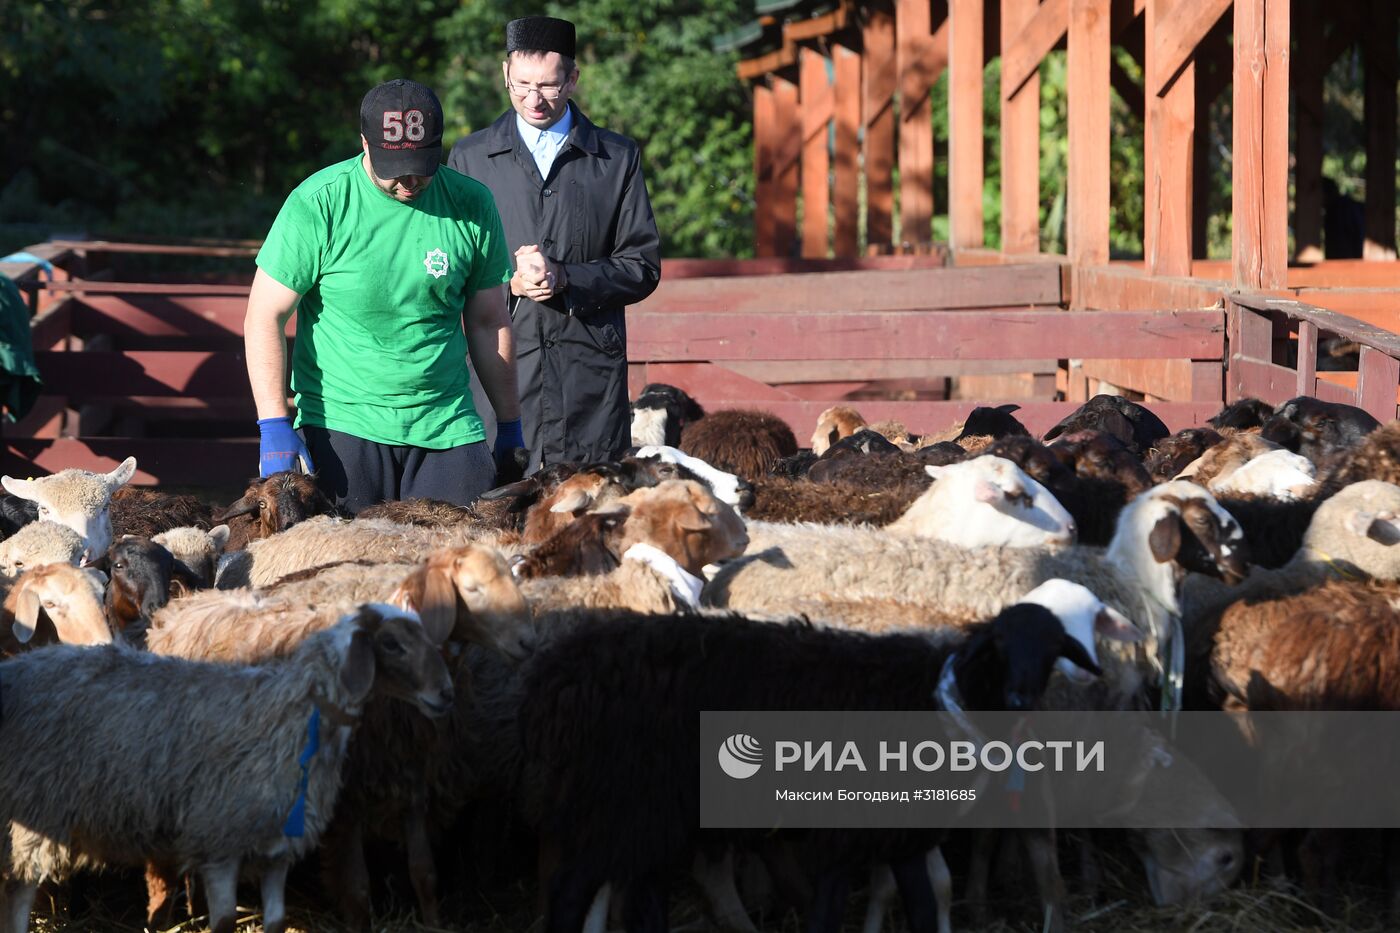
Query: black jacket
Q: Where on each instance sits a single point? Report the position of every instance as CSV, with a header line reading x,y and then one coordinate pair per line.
x,y
592,214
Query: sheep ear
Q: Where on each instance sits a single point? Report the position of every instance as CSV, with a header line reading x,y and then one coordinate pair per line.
x,y
526,488
122,474
575,500
183,580
1113,625
1075,653
1165,539
934,471
219,535
24,488
693,519
26,616
248,505
437,604
1384,530
357,668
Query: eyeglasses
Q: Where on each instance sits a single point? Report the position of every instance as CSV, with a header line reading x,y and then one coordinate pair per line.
x,y
549,92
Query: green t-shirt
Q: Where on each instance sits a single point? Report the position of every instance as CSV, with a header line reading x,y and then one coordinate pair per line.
x,y
380,352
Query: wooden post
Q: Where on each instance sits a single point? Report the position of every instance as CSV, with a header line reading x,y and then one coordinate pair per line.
x,y
1020,143
845,186
965,134
878,78
764,153
1170,150
1088,87
1308,73
1378,47
788,124
1259,195
816,157
919,63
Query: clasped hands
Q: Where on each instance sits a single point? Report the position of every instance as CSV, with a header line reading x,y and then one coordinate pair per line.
x,y
536,276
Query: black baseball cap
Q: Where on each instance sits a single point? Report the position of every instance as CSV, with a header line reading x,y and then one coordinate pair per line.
x,y
402,121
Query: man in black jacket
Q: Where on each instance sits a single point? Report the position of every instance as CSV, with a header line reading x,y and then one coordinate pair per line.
x,y
578,220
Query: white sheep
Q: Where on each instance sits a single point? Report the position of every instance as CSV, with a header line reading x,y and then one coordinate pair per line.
x,y
196,548
39,543
1278,473
79,499
986,501
123,757
726,486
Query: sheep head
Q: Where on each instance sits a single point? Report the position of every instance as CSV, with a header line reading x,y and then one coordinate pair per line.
x,y
833,424
78,499
385,648
986,501
69,597
685,520
39,543
277,502
466,594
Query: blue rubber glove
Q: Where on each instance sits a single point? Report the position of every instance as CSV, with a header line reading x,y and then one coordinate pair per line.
x,y
280,447
509,439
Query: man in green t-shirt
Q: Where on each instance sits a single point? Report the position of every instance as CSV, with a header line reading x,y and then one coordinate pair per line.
x,y
386,256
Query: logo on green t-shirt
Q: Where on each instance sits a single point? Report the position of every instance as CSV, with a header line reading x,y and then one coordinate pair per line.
x,y
436,263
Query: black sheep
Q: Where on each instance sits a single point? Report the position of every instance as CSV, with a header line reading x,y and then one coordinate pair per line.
x,y
611,743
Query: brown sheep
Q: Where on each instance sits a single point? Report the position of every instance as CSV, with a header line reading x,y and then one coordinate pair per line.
x,y
146,512
739,441
1376,457
1171,455
272,504
833,424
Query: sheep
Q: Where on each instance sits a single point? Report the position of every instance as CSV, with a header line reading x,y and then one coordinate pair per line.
x,y
1102,458
660,413
1218,462
1170,528
585,547
876,471
143,577
41,542
643,829
1022,512
1133,424
68,597
79,499
465,591
1273,527
1094,499
1246,414
863,441
1318,430
1277,473
985,424
427,513
897,433
727,487
146,512
1169,456
670,534
1377,456
793,467
739,441
134,758
833,424
196,548
15,513
272,504
1352,536
502,508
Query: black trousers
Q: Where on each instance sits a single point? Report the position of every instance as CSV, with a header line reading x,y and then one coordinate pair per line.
x,y
357,473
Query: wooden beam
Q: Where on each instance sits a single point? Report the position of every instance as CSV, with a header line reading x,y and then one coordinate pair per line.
x,y
788,129
1024,286
1020,140
719,336
1169,132
1179,31
1030,42
965,134
816,158
754,68
765,194
1088,209
1259,190
1307,78
818,26
1378,44
879,78
922,55
845,183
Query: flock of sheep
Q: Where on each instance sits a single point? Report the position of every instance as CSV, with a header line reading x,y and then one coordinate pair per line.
x,y
214,695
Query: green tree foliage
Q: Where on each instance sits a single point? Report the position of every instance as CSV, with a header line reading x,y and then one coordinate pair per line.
x,y
196,117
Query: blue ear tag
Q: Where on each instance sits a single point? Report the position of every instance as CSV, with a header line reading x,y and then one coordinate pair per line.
x,y
295,827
